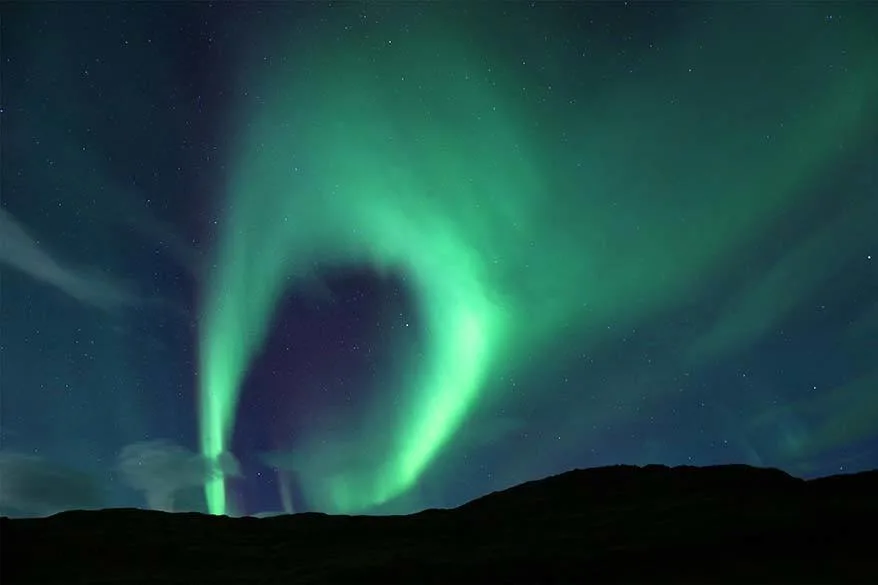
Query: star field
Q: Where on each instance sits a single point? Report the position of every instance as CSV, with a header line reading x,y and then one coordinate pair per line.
x,y
369,258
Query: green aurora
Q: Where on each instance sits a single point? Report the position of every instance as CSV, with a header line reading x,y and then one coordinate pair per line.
x,y
513,211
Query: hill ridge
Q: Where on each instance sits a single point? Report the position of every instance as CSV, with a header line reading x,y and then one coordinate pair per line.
x,y
718,524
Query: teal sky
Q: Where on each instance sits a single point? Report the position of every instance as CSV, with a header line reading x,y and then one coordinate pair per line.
x,y
376,257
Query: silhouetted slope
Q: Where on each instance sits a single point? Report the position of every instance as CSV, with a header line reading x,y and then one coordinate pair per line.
x,y
729,524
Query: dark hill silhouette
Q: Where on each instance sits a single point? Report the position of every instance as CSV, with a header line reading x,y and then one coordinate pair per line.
x,y
725,524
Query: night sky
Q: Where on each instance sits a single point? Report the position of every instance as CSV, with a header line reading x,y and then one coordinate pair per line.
x,y
378,257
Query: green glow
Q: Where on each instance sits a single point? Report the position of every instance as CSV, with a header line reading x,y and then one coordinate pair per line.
x,y
420,158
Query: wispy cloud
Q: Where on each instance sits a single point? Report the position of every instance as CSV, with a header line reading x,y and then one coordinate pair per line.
x,y
21,251
161,469
34,486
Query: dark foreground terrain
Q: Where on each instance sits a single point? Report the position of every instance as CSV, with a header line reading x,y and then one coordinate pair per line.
x,y
730,524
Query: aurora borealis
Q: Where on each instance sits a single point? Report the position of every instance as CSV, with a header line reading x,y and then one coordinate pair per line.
x,y
396,255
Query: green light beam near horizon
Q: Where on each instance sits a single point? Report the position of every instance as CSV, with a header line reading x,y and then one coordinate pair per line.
x,y
513,213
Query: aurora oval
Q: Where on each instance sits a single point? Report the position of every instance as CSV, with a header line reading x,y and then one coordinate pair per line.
x,y
419,159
